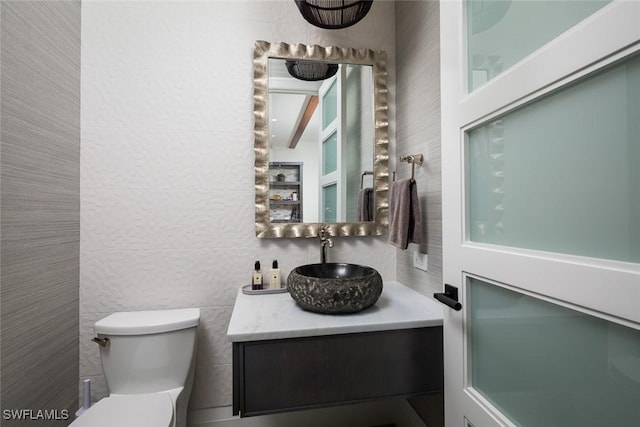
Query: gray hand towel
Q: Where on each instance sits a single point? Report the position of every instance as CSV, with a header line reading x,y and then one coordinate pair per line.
x,y
365,205
404,214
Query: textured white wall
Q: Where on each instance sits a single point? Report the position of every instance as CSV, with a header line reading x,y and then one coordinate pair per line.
x,y
167,216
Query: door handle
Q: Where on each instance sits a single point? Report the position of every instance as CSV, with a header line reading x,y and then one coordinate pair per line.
x,y
449,297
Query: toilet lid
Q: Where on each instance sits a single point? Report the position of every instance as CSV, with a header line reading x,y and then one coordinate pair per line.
x,y
132,410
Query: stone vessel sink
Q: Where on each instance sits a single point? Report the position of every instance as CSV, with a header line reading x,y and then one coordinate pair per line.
x,y
334,288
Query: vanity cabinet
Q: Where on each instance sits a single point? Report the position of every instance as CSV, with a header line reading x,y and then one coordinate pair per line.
x,y
279,375
285,192
287,359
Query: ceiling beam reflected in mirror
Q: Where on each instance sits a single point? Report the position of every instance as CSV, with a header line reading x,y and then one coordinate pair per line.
x,y
306,113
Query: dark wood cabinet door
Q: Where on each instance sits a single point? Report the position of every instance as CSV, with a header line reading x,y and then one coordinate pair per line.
x,y
289,374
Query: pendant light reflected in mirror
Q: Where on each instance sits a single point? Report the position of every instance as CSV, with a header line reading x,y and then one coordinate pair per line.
x,y
311,71
333,14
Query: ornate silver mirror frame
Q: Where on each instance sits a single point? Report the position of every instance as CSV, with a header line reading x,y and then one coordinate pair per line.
x,y
377,59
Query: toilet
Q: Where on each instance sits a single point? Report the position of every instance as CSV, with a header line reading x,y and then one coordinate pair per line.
x,y
148,359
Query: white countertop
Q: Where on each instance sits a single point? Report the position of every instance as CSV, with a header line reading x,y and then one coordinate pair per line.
x,y
277,316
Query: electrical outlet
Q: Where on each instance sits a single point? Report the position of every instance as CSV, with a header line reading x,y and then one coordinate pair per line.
x,y
420,261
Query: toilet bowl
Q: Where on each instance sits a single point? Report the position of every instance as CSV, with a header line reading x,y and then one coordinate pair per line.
x,y
148,359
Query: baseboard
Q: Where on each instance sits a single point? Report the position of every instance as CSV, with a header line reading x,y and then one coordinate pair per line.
x,y
393,411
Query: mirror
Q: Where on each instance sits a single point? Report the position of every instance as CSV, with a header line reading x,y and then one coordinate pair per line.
x,y
321,146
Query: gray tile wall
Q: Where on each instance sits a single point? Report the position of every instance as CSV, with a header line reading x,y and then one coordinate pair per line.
x,y
39,206
418,131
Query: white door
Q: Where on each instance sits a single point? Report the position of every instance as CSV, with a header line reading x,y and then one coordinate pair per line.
x,y
332,119
541,212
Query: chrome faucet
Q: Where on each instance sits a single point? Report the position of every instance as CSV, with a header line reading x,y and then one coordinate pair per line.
x,y
324,241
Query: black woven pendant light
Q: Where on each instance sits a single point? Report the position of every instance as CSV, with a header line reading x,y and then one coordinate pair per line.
x,y
333,14
311,71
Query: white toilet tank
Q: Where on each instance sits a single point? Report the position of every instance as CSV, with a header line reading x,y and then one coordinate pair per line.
x,y
148,351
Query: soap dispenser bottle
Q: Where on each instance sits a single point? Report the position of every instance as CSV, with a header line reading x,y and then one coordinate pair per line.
x,y
256,278
274,276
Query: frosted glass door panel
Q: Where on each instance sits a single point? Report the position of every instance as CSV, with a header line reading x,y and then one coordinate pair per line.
x,y
330,203
562,174
548,366
330,105
330,154
502,32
